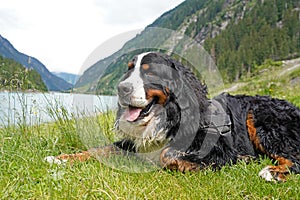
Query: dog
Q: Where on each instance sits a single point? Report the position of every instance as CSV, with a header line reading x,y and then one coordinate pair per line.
x,y
164,108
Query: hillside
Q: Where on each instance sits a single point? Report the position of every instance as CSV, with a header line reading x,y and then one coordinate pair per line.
x,y
276,79
226,28
270,30
52,82
13,76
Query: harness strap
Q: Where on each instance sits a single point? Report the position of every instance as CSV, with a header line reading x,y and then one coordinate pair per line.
x,y
219,126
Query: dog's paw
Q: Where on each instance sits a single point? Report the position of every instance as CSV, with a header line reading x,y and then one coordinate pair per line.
x,y
266,174
54,160
274,173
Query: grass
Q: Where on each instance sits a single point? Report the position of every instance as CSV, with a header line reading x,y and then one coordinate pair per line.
x,y
25,175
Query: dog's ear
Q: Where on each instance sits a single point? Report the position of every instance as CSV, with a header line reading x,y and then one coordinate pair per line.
x,y
176,65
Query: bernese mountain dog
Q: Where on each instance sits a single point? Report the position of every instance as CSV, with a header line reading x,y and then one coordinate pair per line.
x,y
164,108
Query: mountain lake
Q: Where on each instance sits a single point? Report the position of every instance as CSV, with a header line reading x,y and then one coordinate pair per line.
x,y
36,108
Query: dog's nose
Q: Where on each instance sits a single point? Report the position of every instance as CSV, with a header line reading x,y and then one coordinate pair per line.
x,y
125,88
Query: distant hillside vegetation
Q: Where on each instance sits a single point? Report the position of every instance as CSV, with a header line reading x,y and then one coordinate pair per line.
x,y
239,35
13,76
52,82
269,30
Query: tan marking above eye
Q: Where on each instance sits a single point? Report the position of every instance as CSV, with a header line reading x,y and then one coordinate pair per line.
x,y
145,66
130,65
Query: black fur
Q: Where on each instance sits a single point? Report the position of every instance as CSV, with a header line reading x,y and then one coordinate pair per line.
x,y
277,122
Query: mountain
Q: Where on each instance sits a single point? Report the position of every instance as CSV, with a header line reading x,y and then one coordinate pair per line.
x,y
13,76
52,82
239,35
70,78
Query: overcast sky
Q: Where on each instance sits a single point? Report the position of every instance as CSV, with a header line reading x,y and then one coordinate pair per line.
x,y
63,33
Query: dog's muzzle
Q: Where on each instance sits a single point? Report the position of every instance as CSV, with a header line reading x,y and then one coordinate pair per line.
x,y
125,90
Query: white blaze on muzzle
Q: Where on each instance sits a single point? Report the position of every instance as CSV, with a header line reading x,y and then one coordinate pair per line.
x,y
137,97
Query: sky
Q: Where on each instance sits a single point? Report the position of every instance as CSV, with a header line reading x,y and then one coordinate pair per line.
x,y
62,34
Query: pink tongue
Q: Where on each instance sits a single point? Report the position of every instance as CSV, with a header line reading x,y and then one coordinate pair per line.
x,y
132,114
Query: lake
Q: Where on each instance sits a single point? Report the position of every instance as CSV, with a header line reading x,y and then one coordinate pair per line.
x,y
35,108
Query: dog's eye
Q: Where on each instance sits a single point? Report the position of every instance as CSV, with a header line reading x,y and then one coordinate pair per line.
x,y
149,74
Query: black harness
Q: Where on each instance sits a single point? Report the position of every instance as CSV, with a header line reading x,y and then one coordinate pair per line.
x,y
219,125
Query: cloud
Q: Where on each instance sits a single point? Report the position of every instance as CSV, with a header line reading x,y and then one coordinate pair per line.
x,y
9,19
117,12
62,33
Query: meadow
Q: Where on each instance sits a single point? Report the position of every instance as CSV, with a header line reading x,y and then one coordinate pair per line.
x,y
24,174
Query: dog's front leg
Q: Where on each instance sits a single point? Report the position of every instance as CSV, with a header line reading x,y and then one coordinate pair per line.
x,y
173,159
104,151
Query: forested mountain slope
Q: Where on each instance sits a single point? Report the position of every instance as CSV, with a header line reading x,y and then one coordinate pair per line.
x,y
238,34
13,76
